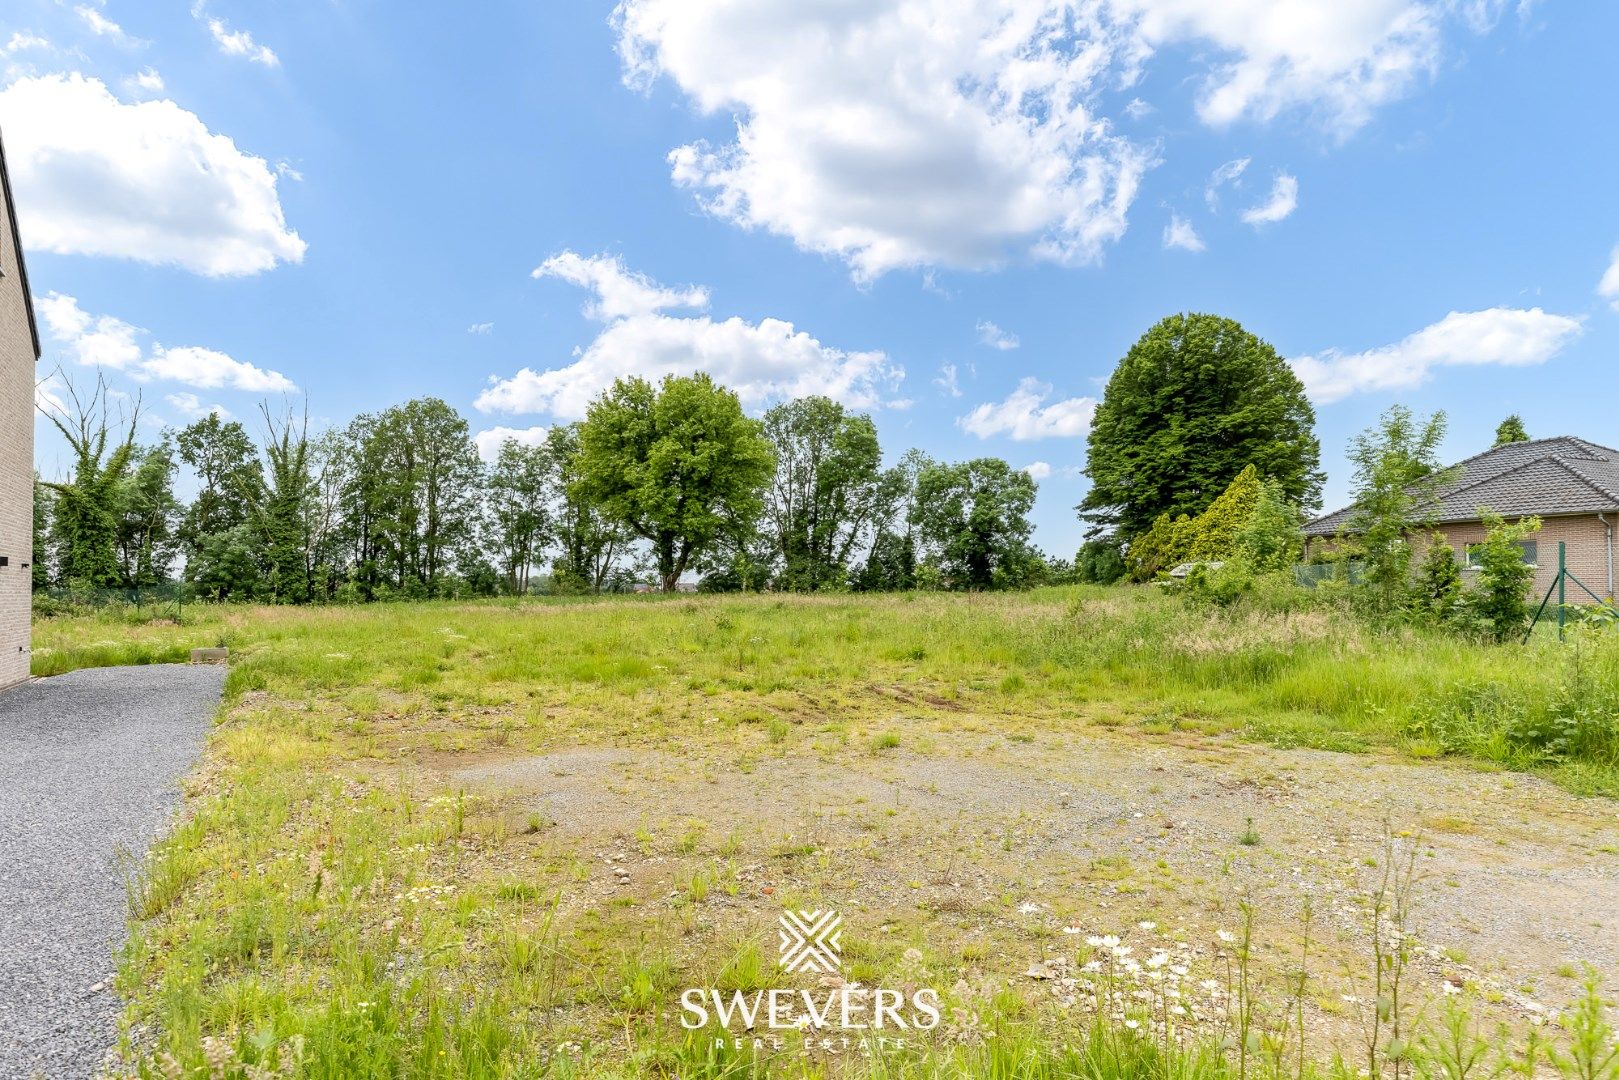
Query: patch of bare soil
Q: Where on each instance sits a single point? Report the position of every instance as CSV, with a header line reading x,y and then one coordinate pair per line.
x,y
988,847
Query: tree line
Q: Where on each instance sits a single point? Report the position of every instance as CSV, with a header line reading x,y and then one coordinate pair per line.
x,y
658,484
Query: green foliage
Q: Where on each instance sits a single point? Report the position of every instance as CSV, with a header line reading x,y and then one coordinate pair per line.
x,y
827,494
147,516
1214,533
678,465
1195,401
973,521
890,565
1500,597
84,527
519,517
1396,485
1511,430
1099,562
589,546
1270,540
1439,580
1161,548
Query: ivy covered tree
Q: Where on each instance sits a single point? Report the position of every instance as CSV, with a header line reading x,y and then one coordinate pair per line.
x,y
1194,402
973,522
679,465
85,507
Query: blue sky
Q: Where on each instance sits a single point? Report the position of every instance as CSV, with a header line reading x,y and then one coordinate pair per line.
x,y
361,203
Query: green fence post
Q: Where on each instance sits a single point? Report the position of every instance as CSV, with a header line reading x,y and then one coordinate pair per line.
x,y
1562,586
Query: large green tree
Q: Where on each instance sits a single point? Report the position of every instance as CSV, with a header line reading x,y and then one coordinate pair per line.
x,y
219,546
678,464
519,518
590,548
1192,403
973,521
423,482
148,515
827,491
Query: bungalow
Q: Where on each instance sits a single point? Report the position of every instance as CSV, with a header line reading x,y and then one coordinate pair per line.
x,y
1572,485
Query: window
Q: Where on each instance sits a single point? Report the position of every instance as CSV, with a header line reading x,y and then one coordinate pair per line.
x,y
1528,547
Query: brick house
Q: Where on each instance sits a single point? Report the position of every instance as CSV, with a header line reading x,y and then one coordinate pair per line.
x,y
19,350
1572,485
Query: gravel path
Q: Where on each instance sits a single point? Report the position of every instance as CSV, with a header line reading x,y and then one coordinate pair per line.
x,y
89,763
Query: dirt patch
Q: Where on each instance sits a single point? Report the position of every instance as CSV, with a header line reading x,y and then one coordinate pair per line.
x,y
987,836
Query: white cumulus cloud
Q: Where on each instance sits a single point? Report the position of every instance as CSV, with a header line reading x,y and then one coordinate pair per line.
x,y
1038,469
105,341
241,43
490,440
996,338
619,293
145,181
899,133
1284,199
1506,337
1180,234
763,362
1608,287
1024,415
965,133
1337,59
188,404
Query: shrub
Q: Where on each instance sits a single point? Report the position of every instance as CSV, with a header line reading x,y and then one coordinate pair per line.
x,y
1099,562
1501,598
1439,580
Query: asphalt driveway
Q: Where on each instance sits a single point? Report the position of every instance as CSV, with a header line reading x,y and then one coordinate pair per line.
x,y
89,767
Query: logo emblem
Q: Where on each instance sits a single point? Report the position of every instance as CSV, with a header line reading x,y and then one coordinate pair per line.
x,y
810,941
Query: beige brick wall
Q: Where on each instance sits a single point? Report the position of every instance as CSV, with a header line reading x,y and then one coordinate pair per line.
x,y
1587,553
16,462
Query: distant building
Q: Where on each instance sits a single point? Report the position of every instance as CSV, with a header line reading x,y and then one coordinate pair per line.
x,y
1570,484
19,351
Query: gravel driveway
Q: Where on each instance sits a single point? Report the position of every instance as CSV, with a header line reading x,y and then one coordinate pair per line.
x,y
89,764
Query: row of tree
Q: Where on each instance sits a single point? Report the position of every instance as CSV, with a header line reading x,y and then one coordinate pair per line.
x,y
656,484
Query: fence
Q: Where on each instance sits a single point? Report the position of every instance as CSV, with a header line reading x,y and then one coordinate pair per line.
x,y
1310,575
167,600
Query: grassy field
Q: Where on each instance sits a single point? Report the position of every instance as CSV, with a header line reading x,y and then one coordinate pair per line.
x,y
407,851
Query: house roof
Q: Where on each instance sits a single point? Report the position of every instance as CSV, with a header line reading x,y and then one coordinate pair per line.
x,y
1546,477
16,240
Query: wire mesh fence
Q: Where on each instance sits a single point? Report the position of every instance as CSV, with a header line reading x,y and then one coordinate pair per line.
x,y
1348,571
169,599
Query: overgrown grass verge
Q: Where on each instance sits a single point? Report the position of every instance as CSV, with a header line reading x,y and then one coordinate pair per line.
x,y
335,899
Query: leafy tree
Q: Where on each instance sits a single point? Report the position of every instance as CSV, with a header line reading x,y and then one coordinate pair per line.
x,y
590,546
827,490
891,559
40,564
422,502
678,465
1099,562
230,479
147,517
85,511
972,518
1511,430
1439,579
278,512
1195,401
1270,540
1396,485
519,511
1500,599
